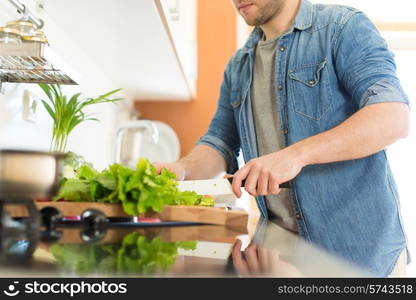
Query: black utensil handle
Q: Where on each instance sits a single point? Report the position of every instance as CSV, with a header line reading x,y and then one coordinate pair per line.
x,y
284,185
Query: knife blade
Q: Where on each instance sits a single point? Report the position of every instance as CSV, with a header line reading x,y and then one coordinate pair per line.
x,y
214,187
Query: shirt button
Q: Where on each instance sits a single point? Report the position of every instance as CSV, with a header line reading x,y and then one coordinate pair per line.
x,y
298,216
285,131
312,82
280,87
282,49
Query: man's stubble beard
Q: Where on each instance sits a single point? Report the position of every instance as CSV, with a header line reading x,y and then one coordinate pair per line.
x,y
267,13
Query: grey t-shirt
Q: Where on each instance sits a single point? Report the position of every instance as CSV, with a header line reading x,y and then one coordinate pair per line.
x,y
267,123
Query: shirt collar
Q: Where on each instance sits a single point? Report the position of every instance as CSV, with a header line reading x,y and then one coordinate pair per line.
x,y
302,21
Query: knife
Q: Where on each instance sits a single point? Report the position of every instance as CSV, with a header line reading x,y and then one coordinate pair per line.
x,y
284,185
214,187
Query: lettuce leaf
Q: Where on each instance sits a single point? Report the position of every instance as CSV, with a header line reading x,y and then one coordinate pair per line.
x,y
74,190
138,190
135,254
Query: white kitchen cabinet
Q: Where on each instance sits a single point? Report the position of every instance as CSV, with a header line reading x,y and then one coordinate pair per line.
x,y
181,16
131,42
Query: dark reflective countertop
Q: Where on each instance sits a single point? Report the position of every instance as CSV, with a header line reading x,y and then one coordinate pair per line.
x,y
183,251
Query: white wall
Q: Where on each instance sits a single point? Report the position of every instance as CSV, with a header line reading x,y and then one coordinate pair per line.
x,y
402,154
93,140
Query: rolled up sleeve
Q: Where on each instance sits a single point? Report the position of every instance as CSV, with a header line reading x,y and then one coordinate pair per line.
x,y
384,91
364,64
222,134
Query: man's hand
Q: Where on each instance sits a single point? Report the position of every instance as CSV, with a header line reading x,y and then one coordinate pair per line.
x,y
253,261
201,163
263,175
177,168
260,261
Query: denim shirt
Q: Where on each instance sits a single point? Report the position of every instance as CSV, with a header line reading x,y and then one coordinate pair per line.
x,y
331,63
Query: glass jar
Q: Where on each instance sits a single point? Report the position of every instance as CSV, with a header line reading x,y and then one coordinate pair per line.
x,y
34,39
9,36
25,27
35,61
40,34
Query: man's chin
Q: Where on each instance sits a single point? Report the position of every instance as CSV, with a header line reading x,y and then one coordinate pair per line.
x,y
250,22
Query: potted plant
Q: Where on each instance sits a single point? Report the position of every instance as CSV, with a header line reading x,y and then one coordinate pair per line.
x,y
68,111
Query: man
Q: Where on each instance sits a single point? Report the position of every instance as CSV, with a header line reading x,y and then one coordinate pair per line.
x,y
312,99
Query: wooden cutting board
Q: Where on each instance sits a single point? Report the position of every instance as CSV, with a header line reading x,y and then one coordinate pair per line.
x,y
201,214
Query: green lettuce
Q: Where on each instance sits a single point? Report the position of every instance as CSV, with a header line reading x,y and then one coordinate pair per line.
x,y
139,190
135,254
72,162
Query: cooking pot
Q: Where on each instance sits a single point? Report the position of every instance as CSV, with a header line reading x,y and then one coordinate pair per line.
x,y
24,175
28,174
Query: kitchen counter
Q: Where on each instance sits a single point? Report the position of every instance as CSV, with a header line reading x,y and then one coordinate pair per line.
x,y
186,251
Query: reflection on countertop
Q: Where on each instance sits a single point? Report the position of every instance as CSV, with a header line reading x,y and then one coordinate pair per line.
x,y
188,251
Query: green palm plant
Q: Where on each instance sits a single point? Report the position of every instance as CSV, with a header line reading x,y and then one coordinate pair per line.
x,y
67,112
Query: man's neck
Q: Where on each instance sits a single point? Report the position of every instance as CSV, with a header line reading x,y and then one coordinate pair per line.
x,y
282,22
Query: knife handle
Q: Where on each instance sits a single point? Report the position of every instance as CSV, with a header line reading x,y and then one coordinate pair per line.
x,y
284,185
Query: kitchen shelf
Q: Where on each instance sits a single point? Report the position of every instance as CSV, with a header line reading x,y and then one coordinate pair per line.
x,y
34,63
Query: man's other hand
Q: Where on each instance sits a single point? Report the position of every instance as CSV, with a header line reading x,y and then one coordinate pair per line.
x,y
177,168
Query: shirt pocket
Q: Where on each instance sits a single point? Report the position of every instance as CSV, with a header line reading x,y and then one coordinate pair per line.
x,y
310,90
